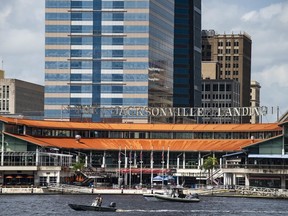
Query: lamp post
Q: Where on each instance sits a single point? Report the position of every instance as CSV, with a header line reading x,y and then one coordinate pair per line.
x,y
130,164
141,166
163,161
119,167
178,166
151,167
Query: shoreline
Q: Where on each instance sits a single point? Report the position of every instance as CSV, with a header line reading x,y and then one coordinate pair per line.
x,y
139,192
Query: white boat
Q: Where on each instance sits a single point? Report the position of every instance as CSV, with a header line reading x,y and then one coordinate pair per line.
x,y
176,195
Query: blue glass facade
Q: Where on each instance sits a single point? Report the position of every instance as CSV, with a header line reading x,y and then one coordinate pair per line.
x,y
187,54
106,53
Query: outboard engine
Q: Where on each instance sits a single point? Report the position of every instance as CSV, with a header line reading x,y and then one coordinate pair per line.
x,y
112,204
195,195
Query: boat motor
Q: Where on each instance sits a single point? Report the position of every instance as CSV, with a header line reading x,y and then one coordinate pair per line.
x,y
112,204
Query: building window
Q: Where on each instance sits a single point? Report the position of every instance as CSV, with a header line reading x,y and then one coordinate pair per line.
x,y
220,43
235,58
227,72
228,51
236,43
228,58
235,65
220,58
228,43
236,51
220,51
235,73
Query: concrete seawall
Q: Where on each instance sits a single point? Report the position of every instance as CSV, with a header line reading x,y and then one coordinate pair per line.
x,y
86,191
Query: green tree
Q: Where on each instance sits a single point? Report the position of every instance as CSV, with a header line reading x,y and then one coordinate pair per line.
x,y
78,166
209,164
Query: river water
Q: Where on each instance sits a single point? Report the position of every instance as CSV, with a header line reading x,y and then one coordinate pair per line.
x,y
136,205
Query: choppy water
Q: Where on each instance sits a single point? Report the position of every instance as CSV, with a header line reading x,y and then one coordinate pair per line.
x,y
136,205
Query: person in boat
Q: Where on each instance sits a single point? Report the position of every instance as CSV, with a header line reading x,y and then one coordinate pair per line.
x,y
191,196
98,201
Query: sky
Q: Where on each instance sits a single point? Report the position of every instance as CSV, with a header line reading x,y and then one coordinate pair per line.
x,y
22,41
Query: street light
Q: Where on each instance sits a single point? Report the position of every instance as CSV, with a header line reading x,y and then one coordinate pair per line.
x,y
141,166
178,166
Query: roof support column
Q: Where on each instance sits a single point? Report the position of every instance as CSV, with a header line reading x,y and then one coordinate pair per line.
x,y
37,156
2,150
184,160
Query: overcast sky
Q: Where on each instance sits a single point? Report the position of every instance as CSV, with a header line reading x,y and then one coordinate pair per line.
x,y
266,21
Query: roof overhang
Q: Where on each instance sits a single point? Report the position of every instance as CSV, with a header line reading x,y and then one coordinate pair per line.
x,y
268,156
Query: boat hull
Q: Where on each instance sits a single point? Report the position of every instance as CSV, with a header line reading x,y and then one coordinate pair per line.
x,y
92,208
175,199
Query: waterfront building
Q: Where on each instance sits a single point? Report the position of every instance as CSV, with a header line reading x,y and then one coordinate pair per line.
x,y
255,100
121,53
128,154
233,52
19,97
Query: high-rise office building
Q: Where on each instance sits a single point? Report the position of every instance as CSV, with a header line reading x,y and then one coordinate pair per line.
x,y
187,54
104,53
233,52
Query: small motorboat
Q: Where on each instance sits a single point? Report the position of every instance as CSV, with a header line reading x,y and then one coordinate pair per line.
x,y
110,208
176,195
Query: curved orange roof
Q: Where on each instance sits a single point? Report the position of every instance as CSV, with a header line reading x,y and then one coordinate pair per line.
x,y
217,145
143,127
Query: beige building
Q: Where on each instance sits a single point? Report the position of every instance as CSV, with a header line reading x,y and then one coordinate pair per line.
x,y
210,70
20,97
2,74
233,52
255,100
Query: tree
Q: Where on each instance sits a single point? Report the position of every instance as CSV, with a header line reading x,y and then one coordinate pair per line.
x,y
209,164
78,166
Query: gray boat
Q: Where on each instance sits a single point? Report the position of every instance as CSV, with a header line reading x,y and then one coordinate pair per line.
x,y
110,208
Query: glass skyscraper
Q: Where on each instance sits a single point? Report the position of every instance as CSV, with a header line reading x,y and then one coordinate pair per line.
x,y
112,53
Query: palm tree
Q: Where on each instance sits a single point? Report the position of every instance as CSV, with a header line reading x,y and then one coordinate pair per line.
x,y
209,164
78,166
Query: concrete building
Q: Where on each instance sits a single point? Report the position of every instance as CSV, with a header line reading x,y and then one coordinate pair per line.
x,y
218,93
2,74
233,52
121,53
255,99
21,98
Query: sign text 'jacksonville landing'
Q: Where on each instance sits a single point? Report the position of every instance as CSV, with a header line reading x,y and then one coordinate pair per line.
x,y
167,111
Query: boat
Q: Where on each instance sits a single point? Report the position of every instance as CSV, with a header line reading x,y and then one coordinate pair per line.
x,y
110,208
176,195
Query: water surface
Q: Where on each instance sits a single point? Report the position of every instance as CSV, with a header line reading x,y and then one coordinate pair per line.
x,y
137,205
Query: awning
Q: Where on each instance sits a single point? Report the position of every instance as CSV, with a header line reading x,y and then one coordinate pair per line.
x,y
158,178
268,156
233,154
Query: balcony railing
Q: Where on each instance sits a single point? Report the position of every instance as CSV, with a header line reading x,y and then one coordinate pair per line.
x,y
254,166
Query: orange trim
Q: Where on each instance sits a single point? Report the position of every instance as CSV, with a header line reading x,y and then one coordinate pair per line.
x,y
138,144
143,127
